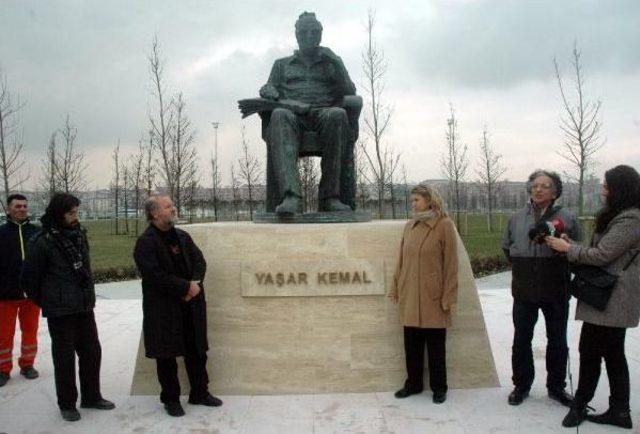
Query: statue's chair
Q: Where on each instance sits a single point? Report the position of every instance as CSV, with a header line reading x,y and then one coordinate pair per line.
x,y
311,147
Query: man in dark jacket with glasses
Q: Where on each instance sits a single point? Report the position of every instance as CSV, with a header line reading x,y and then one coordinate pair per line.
x,y
539,284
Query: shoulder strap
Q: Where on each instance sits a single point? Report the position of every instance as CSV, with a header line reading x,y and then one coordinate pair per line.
x,y
631,260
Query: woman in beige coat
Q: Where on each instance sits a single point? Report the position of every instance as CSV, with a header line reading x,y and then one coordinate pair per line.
x,y
425,287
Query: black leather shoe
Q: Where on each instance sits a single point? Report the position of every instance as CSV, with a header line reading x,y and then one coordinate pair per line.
x,y
101,404
209,401
70,415
439,397
611,417
575,416
29,373
4,378
174,409
518,395
561,396
405,392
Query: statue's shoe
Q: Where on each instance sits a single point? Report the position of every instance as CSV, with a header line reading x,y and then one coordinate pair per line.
x,y
334,205
289,206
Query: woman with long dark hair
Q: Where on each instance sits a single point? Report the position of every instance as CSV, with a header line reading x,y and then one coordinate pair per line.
x,y
615,241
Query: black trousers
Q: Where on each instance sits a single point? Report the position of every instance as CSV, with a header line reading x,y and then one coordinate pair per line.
x,y
597,343
71,334
525,316
414,340
195,363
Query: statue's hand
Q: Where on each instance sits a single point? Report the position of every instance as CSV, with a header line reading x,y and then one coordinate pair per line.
x,y
269,91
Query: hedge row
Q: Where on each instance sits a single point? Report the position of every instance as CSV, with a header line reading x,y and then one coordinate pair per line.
x,y
106,275
489,265
480,266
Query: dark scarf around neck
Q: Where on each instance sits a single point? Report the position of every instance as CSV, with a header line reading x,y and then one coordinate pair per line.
x,y
74,245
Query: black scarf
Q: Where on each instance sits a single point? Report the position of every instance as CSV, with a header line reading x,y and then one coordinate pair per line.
x,y
74,245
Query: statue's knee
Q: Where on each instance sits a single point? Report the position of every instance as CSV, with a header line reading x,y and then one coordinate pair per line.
x,y
282,114
337,114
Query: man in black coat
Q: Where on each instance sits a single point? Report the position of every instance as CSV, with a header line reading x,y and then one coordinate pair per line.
x,y
14,235
173,305
57,276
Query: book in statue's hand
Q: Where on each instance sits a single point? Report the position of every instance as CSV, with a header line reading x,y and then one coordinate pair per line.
x,y
250,106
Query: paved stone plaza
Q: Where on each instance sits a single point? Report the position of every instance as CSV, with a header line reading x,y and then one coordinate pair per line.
x,y
30,406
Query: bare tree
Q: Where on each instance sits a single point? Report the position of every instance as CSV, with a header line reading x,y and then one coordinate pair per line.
x,y
116,186
378,115
126,187
183,157
392,165
137,173
406,191
235,192
250,171
11,146
489,173
171,134
455,163
49,180
362,180
70,165
148,170
162,120
191,198
580,125
309,176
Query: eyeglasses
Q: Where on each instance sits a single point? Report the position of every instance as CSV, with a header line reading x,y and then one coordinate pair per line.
x,y
541,186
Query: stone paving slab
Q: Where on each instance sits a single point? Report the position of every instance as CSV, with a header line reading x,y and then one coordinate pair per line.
x,y
29,406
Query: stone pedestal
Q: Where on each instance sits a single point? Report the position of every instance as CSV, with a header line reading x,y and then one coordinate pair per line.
x,y
302,309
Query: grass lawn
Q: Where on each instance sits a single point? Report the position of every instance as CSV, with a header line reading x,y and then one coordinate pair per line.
x,y
110,251
481,243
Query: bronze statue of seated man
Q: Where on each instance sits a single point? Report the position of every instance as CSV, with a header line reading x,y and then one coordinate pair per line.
x,y
309,91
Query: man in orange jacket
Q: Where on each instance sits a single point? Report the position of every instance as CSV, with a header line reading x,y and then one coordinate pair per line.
x,y
14,235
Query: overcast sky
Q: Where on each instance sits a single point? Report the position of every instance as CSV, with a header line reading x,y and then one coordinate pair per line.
x,y
492,60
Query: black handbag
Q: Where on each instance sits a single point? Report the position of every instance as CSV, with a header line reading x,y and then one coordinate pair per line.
x,y
593,285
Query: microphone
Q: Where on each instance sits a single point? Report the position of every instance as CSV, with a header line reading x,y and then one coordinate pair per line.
x,y
554,227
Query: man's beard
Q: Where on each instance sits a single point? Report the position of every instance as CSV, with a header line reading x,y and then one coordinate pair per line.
x,y
72,225
173,220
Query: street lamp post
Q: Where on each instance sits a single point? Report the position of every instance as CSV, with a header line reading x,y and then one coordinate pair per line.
x,y
215,126
214,170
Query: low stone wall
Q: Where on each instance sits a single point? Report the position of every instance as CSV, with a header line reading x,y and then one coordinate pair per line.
x,y
302,309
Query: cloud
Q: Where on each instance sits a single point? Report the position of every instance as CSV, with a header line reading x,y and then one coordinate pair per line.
x,y
492,59
499,44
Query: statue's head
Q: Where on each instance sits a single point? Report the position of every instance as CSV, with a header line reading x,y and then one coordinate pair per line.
x,y
308,31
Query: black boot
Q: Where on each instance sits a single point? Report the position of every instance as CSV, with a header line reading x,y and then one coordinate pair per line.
x,y
518,395
407,390
577,413
616,415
